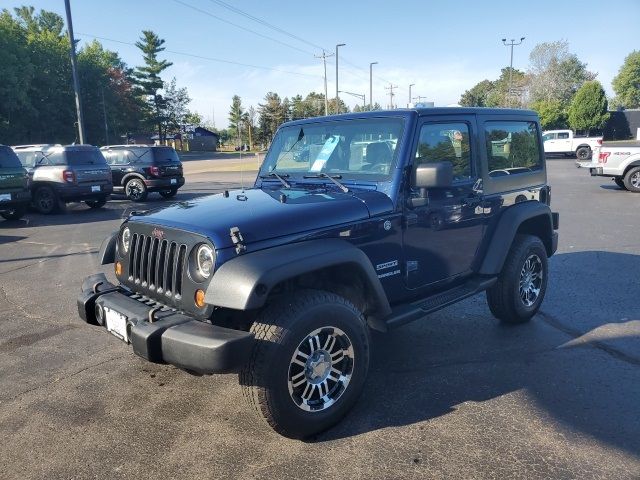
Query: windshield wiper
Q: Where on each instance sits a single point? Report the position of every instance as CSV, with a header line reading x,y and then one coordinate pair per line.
x,y
330,177
279,177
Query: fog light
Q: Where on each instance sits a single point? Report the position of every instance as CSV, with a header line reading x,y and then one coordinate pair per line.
x,y
99,312
199,298
118,268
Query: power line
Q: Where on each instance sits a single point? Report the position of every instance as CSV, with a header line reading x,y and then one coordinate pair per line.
x,y
241,27
213,59
265,23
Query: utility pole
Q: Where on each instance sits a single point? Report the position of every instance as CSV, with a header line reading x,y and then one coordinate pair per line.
x,y
371,84
104,115
391,94
411,85
361,96
419,98
324,57
74,71
511,44
337,97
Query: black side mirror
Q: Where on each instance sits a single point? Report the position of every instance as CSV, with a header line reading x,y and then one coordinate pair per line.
x,y
432,175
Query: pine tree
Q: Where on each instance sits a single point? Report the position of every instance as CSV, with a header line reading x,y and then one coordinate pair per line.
x,y
148,78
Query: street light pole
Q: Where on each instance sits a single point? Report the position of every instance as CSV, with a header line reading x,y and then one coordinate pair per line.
x,y
324,61
337,98
74,72
411,85
371,84
511,44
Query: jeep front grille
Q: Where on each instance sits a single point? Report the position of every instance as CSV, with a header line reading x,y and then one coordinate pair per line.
x,y
157,264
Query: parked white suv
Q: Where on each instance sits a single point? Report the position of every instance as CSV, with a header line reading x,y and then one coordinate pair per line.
x,y
567,143
621,161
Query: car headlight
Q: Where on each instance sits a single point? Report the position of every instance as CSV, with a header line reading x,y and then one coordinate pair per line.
x,y
126,239
205,260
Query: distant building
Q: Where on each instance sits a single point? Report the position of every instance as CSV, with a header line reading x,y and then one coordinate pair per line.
x,y
203,140
623,125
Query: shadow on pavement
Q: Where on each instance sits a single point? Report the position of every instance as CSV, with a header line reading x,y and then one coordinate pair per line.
x,y
432,367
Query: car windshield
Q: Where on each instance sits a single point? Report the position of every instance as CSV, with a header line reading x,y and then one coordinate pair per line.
x,y
8,159
363,149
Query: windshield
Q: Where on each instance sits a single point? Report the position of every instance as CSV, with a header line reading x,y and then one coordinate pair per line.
x,y
8,159
357,149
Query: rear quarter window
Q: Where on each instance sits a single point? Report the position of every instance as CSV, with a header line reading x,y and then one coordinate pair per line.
x,y
512,148
165,154
8,158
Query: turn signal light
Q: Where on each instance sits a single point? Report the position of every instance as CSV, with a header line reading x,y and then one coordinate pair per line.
x,y
199,298
118,268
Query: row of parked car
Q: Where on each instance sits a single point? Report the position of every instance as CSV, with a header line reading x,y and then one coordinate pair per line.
x,y
49,176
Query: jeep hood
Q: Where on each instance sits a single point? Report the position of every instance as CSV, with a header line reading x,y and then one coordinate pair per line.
x,y
262,214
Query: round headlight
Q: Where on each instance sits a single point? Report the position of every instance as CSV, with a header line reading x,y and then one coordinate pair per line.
x,y
126,239
205,260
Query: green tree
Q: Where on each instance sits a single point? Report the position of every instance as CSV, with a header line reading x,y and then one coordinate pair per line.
x,y
477,95
193,118
235,118
588,109
270,116
627,83
552,113
148,78
175,111
555,73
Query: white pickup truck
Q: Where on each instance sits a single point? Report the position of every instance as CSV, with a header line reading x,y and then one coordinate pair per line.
x,y
620,161
565,142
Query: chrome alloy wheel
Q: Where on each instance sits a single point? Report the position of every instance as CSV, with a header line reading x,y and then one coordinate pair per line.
x,y
635,179
320,369
531,280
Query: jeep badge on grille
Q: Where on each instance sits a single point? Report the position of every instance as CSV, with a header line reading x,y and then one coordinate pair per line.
x,y
157,233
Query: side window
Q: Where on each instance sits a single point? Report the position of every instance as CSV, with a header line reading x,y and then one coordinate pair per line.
x,y
548,136
563,135
120,157
512,148
446,142
108,156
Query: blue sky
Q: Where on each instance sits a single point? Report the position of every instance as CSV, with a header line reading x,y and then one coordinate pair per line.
x,y
442,47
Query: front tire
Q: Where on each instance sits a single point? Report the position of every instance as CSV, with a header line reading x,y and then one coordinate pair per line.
x,y
632,179
309,362
15,213
136,190
521,286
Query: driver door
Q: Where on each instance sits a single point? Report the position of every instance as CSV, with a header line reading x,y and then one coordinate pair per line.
x,y
444,226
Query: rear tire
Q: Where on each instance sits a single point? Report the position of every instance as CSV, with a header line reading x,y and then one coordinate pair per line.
x,y
620,182
15,213
521,286
309,362
583,153
168,193
46,201
136,190
95,204
632,179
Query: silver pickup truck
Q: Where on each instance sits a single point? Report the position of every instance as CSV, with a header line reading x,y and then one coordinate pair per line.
x,y
620,161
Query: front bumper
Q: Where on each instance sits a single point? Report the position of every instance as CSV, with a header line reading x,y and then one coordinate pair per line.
x,y
166,336
164,183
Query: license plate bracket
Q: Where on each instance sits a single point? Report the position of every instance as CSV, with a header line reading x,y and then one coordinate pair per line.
x,y
174,181
116,323
95,188
5,197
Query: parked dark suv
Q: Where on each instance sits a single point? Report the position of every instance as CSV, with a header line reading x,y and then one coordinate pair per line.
x,y
399,213
14,185
61,174
140,169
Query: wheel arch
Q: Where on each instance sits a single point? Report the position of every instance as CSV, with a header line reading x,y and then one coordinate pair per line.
x,y
129,176
247,281
533,218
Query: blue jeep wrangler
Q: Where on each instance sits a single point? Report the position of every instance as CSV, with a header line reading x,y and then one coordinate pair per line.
x,y
391,215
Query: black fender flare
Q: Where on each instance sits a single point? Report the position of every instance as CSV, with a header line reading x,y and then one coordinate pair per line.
x,y
129,176
244,282
507,227
107,253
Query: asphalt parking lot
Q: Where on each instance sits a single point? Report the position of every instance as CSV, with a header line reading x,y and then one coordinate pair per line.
x,y
453,396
